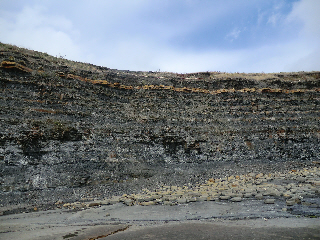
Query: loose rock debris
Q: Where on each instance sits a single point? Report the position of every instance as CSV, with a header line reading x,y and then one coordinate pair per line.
x,y
291,187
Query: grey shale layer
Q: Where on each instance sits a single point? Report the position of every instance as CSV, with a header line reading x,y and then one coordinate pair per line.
x,y
70,130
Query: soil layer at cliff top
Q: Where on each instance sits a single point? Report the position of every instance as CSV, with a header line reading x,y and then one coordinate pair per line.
x,y
71,130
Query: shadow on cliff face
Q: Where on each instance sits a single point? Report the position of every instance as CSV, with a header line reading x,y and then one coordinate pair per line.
x,y
31,141
173,143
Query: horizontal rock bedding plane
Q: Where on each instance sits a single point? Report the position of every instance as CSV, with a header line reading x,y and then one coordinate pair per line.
x,y
71,131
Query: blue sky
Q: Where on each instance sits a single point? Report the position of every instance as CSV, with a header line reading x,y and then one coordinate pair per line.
x,y
170,35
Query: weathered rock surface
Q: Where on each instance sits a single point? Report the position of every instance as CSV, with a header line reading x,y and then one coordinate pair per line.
x,y
71,130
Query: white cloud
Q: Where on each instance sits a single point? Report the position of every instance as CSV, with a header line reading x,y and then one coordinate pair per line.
x,y
308,12
273,58
233,35
138,35
151,51
274,18
309,62
33,28
308,43
139,55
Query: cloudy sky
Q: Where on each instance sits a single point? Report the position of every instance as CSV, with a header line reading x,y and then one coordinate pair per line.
x,y
170,35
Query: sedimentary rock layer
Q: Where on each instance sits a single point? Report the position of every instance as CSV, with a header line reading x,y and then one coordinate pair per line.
x,y
69,125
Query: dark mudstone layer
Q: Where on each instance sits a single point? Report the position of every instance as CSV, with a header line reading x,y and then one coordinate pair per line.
x,y
65,138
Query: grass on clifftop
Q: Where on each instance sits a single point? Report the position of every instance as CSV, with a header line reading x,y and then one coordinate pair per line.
x,y
97,72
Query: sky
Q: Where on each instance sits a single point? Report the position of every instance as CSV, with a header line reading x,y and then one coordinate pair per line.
x,y
180,36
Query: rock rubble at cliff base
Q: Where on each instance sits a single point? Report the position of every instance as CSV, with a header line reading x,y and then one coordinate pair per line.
x,y
292,187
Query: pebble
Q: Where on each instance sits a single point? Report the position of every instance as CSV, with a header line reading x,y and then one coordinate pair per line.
x,y
59,202
129,202
290,187
316,183
247,195
182,200
259,196
114,200
147,203
301,179
93,204
78,205
105,202
236,199
202,198
290,202
287,194
269,201
227,197
66,205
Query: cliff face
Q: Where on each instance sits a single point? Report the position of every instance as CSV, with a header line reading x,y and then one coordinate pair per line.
x,y
68,125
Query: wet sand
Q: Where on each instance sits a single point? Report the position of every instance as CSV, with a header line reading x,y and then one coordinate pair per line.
x,y
198,220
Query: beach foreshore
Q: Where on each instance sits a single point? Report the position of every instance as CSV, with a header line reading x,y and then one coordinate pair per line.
x,y
255,205
206,220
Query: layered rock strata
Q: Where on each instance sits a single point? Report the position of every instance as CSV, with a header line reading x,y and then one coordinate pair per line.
x,y
68,126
